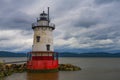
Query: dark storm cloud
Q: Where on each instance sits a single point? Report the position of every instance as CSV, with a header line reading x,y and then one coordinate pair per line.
x,y
66,5
105,1
15,25
86,22
63,7
15,20
11,14
108,33
97,27
3,39
80,24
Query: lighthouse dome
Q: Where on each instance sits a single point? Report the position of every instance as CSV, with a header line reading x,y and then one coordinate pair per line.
x,y
43,16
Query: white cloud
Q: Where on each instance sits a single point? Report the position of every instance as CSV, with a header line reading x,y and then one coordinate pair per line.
x,y
107,41
15,39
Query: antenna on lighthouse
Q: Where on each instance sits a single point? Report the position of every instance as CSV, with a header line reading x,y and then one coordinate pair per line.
x,y
48,16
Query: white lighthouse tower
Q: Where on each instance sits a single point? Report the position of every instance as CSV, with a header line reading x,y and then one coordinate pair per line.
x,y
43,34
43,56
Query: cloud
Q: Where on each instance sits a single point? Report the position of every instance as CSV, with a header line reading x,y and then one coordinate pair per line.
x,y
105,1
94,23
15,40
15,20
80,24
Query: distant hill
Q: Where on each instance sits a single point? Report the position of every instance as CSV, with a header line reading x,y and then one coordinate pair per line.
x,y
63,54
11,54
97,54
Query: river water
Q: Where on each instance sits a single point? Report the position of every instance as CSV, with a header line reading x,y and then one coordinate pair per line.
x,y
92,69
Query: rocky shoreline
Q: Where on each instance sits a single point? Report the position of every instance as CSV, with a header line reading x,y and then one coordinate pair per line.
x,y
8,69
68,67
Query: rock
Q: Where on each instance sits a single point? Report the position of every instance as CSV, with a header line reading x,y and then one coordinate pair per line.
x,y
8,69
68,67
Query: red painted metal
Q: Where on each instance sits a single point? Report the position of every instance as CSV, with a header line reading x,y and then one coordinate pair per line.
x,y
42,58
42,62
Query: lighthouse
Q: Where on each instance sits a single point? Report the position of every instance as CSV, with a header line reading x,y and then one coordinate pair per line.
x,y
42,57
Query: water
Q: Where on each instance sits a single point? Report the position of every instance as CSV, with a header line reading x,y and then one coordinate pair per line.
x,y
12,59
92,69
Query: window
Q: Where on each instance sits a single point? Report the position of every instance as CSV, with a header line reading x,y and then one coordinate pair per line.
x,y
37,38
48,47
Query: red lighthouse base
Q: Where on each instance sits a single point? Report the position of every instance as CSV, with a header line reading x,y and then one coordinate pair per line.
x,y
45,62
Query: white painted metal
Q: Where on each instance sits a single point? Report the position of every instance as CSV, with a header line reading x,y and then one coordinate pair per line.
x,y
46,38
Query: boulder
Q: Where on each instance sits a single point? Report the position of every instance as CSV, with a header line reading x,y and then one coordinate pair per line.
x,y
8,69
68,67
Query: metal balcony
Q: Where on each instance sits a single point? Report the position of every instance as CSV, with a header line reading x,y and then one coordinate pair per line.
x,y
43,25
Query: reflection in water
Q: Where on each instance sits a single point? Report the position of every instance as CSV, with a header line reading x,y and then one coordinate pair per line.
x,y
42,76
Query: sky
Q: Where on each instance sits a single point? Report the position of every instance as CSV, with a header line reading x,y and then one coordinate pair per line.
x,y
81,25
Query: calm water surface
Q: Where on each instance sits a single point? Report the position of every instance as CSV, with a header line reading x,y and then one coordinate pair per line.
x,y
92,69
